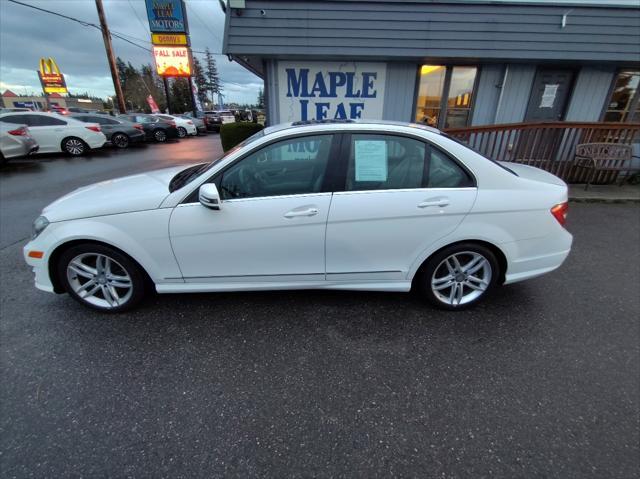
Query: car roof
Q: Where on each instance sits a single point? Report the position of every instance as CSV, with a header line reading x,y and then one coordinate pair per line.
x,y
332,125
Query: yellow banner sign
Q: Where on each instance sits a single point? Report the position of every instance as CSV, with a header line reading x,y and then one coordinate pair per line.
x,y
50,77
168,39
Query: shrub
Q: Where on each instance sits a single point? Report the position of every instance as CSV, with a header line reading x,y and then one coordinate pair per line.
x,y
233,133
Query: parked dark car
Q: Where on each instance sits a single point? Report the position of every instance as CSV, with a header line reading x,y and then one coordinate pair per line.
x,y
77,109
155,129
120,132
216,118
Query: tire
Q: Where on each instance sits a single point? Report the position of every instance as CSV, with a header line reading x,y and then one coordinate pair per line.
x,y
459,276
101,278
3,160
182,132
74,146
120,140
160,135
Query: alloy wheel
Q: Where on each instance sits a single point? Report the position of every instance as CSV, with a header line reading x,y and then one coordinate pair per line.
x,y
181,132
461,278
74,146
120,140
99,280
160,135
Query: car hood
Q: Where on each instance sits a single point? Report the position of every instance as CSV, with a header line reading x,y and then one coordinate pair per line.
x,y
121,195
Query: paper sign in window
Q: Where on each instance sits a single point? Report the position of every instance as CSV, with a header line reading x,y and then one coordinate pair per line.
x,y
371,160
549,96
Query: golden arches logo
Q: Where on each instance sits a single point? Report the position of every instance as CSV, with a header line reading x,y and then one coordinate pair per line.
x,y
48,66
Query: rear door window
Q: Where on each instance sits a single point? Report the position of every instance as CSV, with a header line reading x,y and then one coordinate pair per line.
x,y
385,162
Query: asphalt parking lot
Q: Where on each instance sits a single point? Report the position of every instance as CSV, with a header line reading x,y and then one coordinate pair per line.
x,y
543,380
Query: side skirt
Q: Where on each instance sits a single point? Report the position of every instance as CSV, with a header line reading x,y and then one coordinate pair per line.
x,y
391,286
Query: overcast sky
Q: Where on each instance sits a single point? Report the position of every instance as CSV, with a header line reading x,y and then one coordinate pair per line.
x,y
26,35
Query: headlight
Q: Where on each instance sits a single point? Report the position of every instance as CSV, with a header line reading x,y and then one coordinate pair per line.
x,y
38,226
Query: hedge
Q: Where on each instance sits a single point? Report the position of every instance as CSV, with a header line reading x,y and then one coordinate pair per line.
x,y
233,133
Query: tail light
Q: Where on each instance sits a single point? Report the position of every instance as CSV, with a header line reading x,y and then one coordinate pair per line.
x,y
22,131
95,128
560,211
189,122
172,123
138,126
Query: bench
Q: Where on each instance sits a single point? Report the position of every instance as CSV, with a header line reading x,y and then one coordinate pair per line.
x,y
603,162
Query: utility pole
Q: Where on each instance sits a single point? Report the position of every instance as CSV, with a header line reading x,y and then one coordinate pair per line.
x,y
106,35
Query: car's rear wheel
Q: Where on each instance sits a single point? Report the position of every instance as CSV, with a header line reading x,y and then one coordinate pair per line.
x,y
101,277
120,140
182,132
74,146
160,136
459,276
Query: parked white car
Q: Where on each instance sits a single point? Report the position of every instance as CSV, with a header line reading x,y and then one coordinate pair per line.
x,y
15,142
56,133
185,127
359,206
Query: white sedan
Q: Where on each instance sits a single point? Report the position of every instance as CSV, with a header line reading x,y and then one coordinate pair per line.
x,y
56,133
349,206
185,126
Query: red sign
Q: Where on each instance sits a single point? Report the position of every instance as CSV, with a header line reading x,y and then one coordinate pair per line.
x,y
153,105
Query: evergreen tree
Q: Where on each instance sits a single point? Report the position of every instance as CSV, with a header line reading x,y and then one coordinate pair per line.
x,y
211,74
199,79
180,96
261,99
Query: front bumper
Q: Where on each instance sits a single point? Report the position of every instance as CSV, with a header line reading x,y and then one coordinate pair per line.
x,y
44,243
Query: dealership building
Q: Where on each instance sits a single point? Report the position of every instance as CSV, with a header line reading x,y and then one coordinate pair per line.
x,y
448,64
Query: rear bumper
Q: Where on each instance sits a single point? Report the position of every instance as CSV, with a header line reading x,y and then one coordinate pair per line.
x,y
535,257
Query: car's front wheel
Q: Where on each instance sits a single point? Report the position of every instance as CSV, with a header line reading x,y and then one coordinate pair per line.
x,y
459,276
120,140
74,146
101,277
160,136
182,132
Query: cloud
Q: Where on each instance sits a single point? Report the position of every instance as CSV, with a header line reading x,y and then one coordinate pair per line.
x,y
26,35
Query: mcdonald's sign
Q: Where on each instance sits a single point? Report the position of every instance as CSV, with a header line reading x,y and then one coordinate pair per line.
x,y
50,77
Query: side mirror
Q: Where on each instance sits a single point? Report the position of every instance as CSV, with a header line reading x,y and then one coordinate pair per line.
x,y
208,196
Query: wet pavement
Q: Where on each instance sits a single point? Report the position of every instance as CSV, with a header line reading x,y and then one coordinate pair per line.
x,y
542,380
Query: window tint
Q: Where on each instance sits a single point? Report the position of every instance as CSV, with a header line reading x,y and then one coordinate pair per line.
x,y
445,172
292,166
41,120
100,120
383,162
19,119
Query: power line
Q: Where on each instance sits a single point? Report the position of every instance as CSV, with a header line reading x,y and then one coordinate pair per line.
x,y
136,14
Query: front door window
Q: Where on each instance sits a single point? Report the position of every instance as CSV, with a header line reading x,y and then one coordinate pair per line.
x,y
290,167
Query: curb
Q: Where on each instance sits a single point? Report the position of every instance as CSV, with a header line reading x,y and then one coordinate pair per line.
x,y
594,199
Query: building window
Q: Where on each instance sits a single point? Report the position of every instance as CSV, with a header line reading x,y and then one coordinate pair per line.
x,y
624,104
445,95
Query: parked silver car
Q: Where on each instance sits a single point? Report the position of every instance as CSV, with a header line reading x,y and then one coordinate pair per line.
x,y
15,142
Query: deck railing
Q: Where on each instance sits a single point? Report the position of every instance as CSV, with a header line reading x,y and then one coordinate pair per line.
x,y
547,145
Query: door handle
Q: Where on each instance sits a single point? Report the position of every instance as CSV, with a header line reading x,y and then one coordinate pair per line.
x,y
440,202
307,212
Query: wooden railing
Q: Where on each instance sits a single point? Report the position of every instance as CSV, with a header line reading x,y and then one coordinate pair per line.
x,y
547,145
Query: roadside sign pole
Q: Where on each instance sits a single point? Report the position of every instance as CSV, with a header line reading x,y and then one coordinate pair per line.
x,y
166,93
193,97
106,36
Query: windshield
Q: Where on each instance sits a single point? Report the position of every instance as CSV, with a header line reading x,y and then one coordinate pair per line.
x,y
189,174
